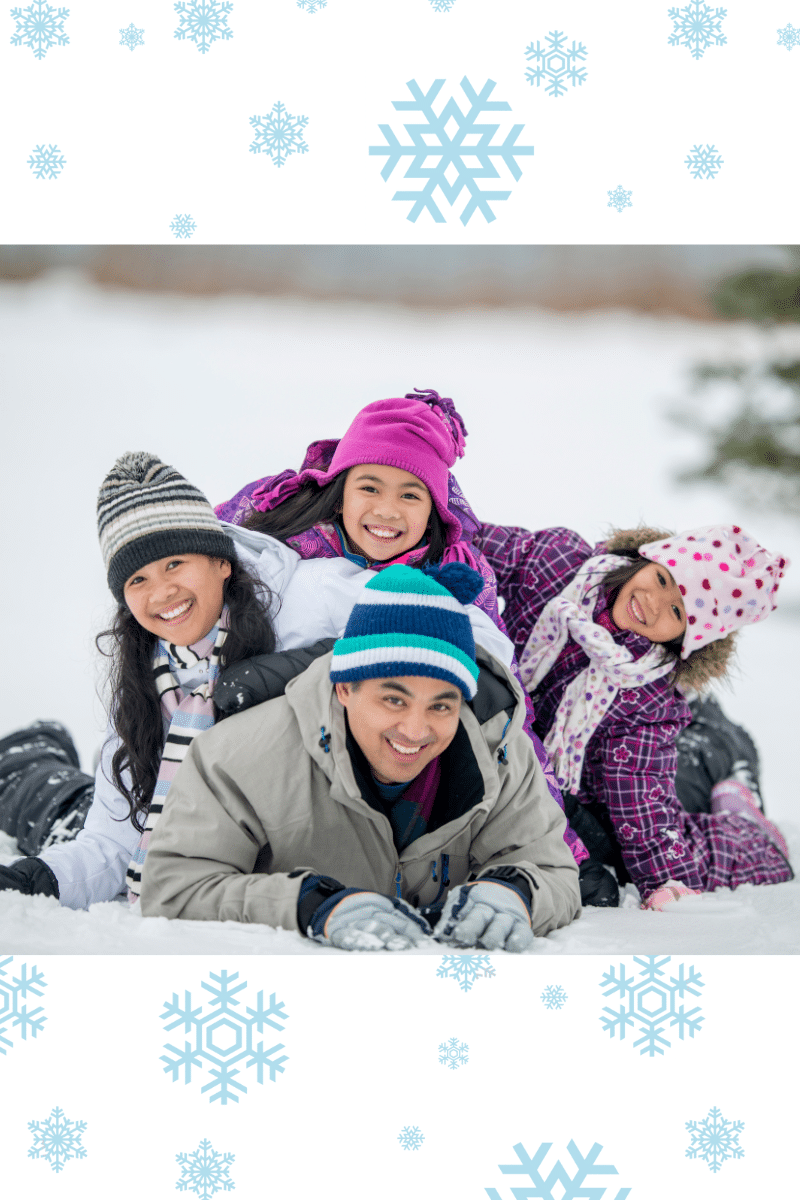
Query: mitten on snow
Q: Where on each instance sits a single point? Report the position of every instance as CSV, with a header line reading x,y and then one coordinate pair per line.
x,y
357,920
30,876
667,894
492,914
729,795
599,888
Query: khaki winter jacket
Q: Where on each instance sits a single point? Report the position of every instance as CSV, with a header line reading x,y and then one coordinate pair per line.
x,y
259,804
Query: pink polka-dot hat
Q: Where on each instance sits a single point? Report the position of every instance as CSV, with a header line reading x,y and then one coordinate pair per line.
x,y
726,579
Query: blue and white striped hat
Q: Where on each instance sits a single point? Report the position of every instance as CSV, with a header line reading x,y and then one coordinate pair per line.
x,y
412,622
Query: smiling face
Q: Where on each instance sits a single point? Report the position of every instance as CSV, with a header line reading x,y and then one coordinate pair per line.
x,y
651,604
178,598
385,511
401,724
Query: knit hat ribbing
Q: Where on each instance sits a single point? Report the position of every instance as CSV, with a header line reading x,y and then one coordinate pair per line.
x,y
146,510
411,622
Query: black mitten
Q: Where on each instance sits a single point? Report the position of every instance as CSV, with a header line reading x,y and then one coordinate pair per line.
x,y
31,876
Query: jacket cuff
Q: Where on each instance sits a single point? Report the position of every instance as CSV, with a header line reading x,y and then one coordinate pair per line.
x,y
511,878
315,890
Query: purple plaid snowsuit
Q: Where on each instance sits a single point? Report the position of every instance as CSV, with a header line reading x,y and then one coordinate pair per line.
x,y
321,542
631,759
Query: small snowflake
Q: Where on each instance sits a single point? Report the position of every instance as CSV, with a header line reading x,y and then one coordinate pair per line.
x,y
56,1139
47,162
703,162
183,225
453,1054
696,27
554,996
556,63
789,36
410,1137
619,199
466,968
203,22
39,27
312,5
441,5
714,1139
12,1012
205,1171
131,37
278,134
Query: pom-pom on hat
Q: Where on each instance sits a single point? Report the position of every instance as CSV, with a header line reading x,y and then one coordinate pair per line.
x,y
726,579
412,622
146,510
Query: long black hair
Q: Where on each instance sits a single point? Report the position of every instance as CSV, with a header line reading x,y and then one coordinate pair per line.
x,y
135,705
314,504
615,579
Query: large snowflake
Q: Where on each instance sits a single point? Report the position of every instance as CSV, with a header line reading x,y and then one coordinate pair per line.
x,y
13,990
39,27
312,5
558,64
278,134
183,225
223,1037
789,36
697,26
553,996
57,1139
131,37
714,1139
47,162
450,150
205,1171
704,162
203,22
651,1003
466,968
570,1187
619,199
411,1137
442,5
453,1053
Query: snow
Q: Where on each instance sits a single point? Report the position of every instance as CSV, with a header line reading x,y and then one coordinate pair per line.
x,y
567,421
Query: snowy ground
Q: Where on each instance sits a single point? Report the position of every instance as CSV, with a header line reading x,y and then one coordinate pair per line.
x,y
567,425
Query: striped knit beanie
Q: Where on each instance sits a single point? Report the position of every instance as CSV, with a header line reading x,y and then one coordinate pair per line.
x,y
146,511
412,622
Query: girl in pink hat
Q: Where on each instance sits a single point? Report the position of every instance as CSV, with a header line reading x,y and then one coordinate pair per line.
x,y
609,642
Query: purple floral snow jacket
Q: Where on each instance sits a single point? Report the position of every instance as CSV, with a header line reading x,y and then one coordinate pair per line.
x,y
631,759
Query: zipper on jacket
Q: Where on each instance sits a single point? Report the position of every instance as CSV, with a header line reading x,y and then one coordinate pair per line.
x,y
397,881
502,753
445,876
324,741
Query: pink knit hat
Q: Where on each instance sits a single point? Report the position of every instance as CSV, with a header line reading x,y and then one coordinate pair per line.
x,y
727,580
421,433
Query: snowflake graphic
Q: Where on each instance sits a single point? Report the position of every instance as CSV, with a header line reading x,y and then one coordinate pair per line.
x,y
47,162
39,26
469,141
789,36
410,1137
570,1187
441,5
703,162
466,968
223,1037
652,1002
205,1171
453,1054
203,22
554,996
556,63
312,5
56,1139
131,37
278,134
12,991
619,199
183,225
697,27
714,1139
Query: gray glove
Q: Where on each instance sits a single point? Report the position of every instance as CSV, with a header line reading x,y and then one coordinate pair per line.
x,y
368,921
486,914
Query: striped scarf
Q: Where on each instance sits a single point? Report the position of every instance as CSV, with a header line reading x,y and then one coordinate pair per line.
x,y
186,716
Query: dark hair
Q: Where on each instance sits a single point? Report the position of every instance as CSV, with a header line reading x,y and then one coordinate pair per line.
x,y
615,579
314,504
135,705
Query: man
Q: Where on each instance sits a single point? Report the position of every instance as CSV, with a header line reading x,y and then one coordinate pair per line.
x,y
390,795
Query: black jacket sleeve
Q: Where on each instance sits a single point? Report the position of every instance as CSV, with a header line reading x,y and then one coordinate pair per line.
x,y
254,680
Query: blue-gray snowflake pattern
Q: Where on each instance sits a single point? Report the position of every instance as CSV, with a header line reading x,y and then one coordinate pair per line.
x,y
312,6
13,1014
205,1171
651,1002
278,134
619,199
466,968
203,22
568,1186
411,1137
715,1139
57,1139
40,27
433,140
453,1053
223,1037
131,37
183,225
558,64
47,162
789,36
441,5
697,26
554,996
704,162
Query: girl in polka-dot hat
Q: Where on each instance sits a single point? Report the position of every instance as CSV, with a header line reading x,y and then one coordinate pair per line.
x,y
609,642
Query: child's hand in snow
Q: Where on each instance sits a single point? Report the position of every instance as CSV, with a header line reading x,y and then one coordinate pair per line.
x,y
667,894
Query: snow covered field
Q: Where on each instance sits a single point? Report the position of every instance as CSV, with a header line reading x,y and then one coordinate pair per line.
x,y
566,416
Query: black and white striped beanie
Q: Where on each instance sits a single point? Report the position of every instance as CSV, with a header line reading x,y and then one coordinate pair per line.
x,y
146,511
